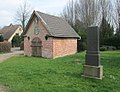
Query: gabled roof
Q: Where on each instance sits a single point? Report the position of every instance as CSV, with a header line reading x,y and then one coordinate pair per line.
x,y
8,31
56,26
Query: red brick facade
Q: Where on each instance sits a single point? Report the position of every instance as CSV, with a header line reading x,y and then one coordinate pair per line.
x,y
64,46
30,35
51,47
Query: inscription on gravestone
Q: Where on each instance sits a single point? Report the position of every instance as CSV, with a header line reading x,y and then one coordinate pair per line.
x,y
92,67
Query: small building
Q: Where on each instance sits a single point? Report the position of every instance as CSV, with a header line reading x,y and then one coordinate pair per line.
x,y
10,31
49,36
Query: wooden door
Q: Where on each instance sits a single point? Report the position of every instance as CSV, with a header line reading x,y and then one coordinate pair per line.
x,y
36,47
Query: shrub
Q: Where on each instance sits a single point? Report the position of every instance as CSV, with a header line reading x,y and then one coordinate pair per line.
x,y
81,46
22,45
82,43
111,48
103,48
16,41
5,47
113,41
1,38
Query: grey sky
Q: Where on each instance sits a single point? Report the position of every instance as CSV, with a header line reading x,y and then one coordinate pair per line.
x,y
9,7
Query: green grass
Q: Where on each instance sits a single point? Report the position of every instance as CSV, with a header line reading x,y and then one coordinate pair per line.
x,y
30,74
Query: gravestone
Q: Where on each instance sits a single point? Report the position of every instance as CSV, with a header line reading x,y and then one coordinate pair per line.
x,y
92,67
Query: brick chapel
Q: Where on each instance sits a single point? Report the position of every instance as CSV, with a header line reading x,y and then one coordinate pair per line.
x,y
49,36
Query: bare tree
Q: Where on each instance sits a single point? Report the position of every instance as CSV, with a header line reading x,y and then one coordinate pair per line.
x,y
69,13
87,11
107,10
104,6
23,13
117,6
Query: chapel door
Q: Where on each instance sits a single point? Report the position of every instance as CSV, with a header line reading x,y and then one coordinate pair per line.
x,y
36,47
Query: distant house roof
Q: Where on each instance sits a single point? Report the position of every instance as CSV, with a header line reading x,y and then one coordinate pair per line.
x,y
8,31
56,26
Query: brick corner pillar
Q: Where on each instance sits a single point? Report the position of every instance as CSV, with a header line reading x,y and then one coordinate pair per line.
x,y
92,67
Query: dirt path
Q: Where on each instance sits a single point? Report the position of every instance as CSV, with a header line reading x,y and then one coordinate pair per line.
x,y
14,52
3,89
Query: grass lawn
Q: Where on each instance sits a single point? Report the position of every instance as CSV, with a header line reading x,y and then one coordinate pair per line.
x,y
30,74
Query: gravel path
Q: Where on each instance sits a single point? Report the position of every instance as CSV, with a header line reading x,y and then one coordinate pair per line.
x,y
14,52
5,56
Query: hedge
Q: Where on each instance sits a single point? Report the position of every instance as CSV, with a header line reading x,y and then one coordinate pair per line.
x,y
1,38
5,47
103,48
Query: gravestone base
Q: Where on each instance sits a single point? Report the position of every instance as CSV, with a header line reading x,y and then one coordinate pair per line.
x,y
95,72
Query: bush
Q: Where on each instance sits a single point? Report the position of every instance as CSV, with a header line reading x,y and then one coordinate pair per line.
x,y
113,41
22,45
5,47
1,38
110,48
16,41
103,48
81,46
82,43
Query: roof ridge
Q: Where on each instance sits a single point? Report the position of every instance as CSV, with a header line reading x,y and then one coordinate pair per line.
x,y
11,25
49,14
56,26
45,24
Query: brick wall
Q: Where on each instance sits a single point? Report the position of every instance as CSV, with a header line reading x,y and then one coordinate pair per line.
x,y
46,44
62,47
47,50
27,47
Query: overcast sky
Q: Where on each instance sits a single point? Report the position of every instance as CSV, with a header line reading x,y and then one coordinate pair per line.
x,y
8,8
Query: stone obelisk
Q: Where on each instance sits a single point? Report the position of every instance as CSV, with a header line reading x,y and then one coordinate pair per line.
x,y
92,67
